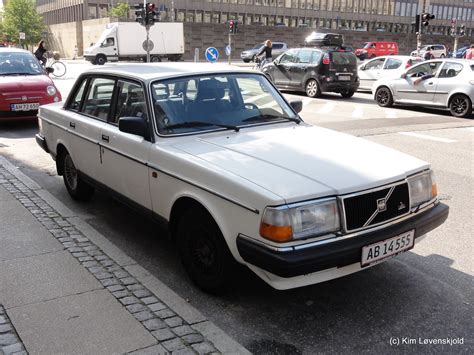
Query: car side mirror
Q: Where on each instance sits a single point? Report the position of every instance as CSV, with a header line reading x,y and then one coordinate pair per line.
x,y
134,125
49,70
362,67
403,76
297,105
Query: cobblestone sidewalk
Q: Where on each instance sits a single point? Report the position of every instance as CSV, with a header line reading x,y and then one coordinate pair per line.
x,y
172,332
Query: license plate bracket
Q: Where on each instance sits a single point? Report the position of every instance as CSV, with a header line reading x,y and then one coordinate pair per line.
x,y
376,252
24,106
344,78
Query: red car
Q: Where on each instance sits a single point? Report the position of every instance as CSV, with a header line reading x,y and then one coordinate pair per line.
x,y
24,84
376,49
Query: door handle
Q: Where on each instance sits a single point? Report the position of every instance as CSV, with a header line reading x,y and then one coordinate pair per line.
x,y
105,138
72,125
430,83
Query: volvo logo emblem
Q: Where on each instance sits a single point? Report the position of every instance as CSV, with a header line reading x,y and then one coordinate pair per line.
x,y
24,98
381,205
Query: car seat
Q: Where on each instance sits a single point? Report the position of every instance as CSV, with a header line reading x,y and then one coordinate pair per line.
x,y
209,100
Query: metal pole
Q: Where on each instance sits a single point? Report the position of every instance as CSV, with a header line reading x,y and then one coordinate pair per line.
x,y
230,47
148,44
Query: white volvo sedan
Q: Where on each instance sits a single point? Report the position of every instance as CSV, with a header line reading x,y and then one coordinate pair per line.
x,y
218,154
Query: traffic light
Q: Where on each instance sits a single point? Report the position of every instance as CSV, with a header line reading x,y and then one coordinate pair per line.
x,y
426,18
231,26
140,13
150,14
236,24
462,30
417,23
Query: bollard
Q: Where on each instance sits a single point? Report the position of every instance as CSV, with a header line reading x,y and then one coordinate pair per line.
x,y
196,55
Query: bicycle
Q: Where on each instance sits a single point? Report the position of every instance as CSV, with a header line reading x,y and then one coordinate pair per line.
x,y
52,62
257,62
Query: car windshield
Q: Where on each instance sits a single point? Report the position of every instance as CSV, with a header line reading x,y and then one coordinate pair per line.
x,y
258,46
17,63
211,102
367,45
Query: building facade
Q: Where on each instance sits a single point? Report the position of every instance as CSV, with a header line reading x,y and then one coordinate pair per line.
x,y
341,15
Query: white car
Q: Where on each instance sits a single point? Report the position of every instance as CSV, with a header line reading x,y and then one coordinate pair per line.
x,y
390,65
438,51
218,154
439,83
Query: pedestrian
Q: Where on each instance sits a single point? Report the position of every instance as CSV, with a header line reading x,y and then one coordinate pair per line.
x,y
267,49
75,53
428,55
469,52
40,51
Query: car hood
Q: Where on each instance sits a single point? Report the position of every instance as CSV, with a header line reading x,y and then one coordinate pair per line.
x,y
23,83
303,162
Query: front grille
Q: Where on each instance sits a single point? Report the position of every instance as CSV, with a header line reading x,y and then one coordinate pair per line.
x,y
372,208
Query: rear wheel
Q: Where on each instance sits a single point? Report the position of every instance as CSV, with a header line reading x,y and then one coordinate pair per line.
x,y
155,59
77,188
59,69
460,106
384,97
203,250
347,93
246,60
312,88
100,60
442,56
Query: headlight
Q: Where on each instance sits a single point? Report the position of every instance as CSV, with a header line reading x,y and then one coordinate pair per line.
x,y
422,189
282,224
51,90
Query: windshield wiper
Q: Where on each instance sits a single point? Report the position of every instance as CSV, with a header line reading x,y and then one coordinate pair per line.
x,y
267,117
191,124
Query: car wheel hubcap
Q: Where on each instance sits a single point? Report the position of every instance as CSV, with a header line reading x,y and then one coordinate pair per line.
x,y
70,173
382,97
459,105
312,88
203,253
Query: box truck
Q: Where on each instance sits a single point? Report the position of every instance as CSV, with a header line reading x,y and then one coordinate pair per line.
x,y
127,41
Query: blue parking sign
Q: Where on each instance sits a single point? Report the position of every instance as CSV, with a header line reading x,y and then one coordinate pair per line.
x,y
212,54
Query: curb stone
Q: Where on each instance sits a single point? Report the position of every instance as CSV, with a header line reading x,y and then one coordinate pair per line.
x,y
10,342
126,280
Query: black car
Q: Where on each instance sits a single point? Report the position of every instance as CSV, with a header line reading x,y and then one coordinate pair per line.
x,y
315,70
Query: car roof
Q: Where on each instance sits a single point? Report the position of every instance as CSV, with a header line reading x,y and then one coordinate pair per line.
x,y
152,71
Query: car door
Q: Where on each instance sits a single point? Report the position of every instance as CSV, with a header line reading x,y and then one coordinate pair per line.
x,y
124,155
85,124
370,72
282,71
300,69
407,90
446,81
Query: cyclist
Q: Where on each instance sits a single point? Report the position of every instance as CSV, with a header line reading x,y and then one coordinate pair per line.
x,y
40,51
267,49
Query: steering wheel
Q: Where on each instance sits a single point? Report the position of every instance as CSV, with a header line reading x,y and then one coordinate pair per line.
x,y
250,106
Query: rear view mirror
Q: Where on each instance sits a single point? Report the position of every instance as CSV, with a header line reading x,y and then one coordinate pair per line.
x,y
134,125
297,105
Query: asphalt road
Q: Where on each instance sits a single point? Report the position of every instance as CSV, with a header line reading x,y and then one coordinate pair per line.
x,y
419,296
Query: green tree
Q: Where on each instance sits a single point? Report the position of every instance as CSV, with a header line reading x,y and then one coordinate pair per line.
x,y
21,16
122,9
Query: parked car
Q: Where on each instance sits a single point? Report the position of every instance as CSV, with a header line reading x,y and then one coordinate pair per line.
x,y
250,54
392,66
376,49
446,83
220,156
314,71
437,50
24,84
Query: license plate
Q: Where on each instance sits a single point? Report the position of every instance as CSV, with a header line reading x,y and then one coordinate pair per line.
x,y
344,77
25,107
387,248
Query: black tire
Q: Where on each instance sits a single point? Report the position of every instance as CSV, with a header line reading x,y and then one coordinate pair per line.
x,y
460,106
100,59
442,56
59,69
246,60
155,59
77,188
347,93
384,97
312,88
204,252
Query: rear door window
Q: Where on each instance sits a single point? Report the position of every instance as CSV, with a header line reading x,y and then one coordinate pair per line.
x,y
277,46
99,98
450,70
343,58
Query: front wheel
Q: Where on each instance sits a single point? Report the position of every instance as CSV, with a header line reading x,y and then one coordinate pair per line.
x,y
384,97
460,106
442,56
204,252
100,60
59,69
347,93
312,88
155,59
76,187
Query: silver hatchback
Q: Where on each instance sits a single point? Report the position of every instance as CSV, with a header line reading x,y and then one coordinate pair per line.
x,y
442,83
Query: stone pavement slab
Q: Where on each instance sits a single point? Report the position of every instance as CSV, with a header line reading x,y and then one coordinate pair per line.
x,y
89,323
21,235
5,196
43,277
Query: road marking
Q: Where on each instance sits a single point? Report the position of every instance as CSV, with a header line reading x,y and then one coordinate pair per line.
x,y
328,107
424,136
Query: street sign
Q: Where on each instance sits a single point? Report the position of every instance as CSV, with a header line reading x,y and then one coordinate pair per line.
x,y
212,54
22,35
148,45
228,50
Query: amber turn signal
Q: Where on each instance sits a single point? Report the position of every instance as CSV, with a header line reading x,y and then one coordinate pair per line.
x,y
277,234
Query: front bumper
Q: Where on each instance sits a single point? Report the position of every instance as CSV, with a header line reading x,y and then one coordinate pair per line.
x,y
335,254
41,142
